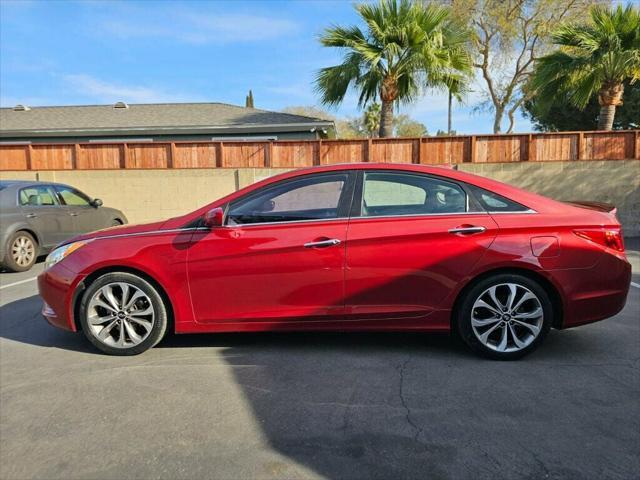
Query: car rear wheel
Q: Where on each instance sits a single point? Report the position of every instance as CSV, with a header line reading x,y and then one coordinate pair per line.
x,y
505,316
123,314
21,252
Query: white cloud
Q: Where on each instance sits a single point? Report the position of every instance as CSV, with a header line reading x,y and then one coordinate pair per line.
x,y
103,91
200,28
238,27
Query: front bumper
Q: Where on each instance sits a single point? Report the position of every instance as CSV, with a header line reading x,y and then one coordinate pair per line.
x,y
56,286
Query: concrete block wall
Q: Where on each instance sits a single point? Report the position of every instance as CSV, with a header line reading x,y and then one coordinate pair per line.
x,y
616,182
148,195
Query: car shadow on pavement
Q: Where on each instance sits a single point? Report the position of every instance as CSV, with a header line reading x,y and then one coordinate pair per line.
x,y
21,321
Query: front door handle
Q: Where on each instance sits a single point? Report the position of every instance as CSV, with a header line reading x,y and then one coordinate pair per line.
x,y
464,230
323,243
73,214
31,215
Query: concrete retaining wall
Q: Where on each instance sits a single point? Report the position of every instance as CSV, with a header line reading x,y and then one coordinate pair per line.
x,y
616,182
147,195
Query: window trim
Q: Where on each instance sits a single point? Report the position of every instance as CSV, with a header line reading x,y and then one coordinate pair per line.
x,y
355,182
46,185
344,202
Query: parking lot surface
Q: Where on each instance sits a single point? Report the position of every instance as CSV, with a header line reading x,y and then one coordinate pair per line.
x,y
309,405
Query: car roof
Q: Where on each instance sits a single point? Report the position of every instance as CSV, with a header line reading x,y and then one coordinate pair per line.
x,y
26,183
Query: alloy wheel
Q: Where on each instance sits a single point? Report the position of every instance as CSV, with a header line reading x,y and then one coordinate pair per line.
x,y
507,317
23,251
120,315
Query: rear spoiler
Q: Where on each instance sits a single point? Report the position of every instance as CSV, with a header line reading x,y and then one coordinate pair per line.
x,y
598,206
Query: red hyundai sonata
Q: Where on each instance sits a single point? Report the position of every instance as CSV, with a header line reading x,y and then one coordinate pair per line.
x,y
348,247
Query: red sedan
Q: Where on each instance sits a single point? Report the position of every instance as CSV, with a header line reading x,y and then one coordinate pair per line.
x,y
348,247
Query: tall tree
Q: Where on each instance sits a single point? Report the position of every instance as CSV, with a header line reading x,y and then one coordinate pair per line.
x,y
248,101
371,117
508,37
593,59
406,46
405,126
561,115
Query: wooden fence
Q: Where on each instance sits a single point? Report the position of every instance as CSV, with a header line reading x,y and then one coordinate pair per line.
x,y
532,147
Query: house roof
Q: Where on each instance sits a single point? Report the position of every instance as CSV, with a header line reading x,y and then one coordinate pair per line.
x,y
158,118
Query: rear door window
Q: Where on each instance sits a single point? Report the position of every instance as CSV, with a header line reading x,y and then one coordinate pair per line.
x,y
37,196
400,193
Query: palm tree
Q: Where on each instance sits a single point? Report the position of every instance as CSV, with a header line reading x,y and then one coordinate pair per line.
x,y
456,88
596,58
371,119
407,45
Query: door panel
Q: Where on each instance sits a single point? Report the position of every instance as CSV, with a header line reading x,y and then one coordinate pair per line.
x,y
265,272
45,216
411,240
406,266
85,217
280,255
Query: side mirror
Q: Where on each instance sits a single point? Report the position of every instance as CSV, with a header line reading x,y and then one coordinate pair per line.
x,y
96,202
214,217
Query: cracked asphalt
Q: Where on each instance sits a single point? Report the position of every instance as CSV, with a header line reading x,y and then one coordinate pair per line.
x,y
276,405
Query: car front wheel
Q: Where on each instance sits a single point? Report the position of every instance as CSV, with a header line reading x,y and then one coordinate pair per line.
x,y
505,316
123,314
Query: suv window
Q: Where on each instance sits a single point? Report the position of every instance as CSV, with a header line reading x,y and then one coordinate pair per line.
x,y
71,196
37,196
492,202
393,193
314,198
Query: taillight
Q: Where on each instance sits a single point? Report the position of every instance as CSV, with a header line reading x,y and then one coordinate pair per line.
x,y
607,237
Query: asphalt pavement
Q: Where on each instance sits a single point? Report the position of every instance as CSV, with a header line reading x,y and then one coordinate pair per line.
x,y
309,405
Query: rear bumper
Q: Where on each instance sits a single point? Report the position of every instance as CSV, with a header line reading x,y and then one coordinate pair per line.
x,y
57,286
596,293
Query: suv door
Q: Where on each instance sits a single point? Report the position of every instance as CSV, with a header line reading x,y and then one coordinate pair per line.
x,y
86,218
280,255
411,239
43,213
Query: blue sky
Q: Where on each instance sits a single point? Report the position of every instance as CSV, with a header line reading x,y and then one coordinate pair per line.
x,y
65,52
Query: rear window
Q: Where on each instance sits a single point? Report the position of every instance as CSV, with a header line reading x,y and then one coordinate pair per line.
x,y
492,202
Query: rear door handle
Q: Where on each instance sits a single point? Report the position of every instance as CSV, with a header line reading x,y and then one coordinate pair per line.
x,y
73,214
31,215
323,243
467,230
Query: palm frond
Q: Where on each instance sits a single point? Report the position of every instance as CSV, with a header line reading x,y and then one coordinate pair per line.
x,y
606,51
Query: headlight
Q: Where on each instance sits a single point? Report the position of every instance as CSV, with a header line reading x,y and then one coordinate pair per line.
x,y
62,252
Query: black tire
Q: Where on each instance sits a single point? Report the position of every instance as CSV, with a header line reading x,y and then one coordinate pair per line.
x,y
13,264
116,222
156,332
463,317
